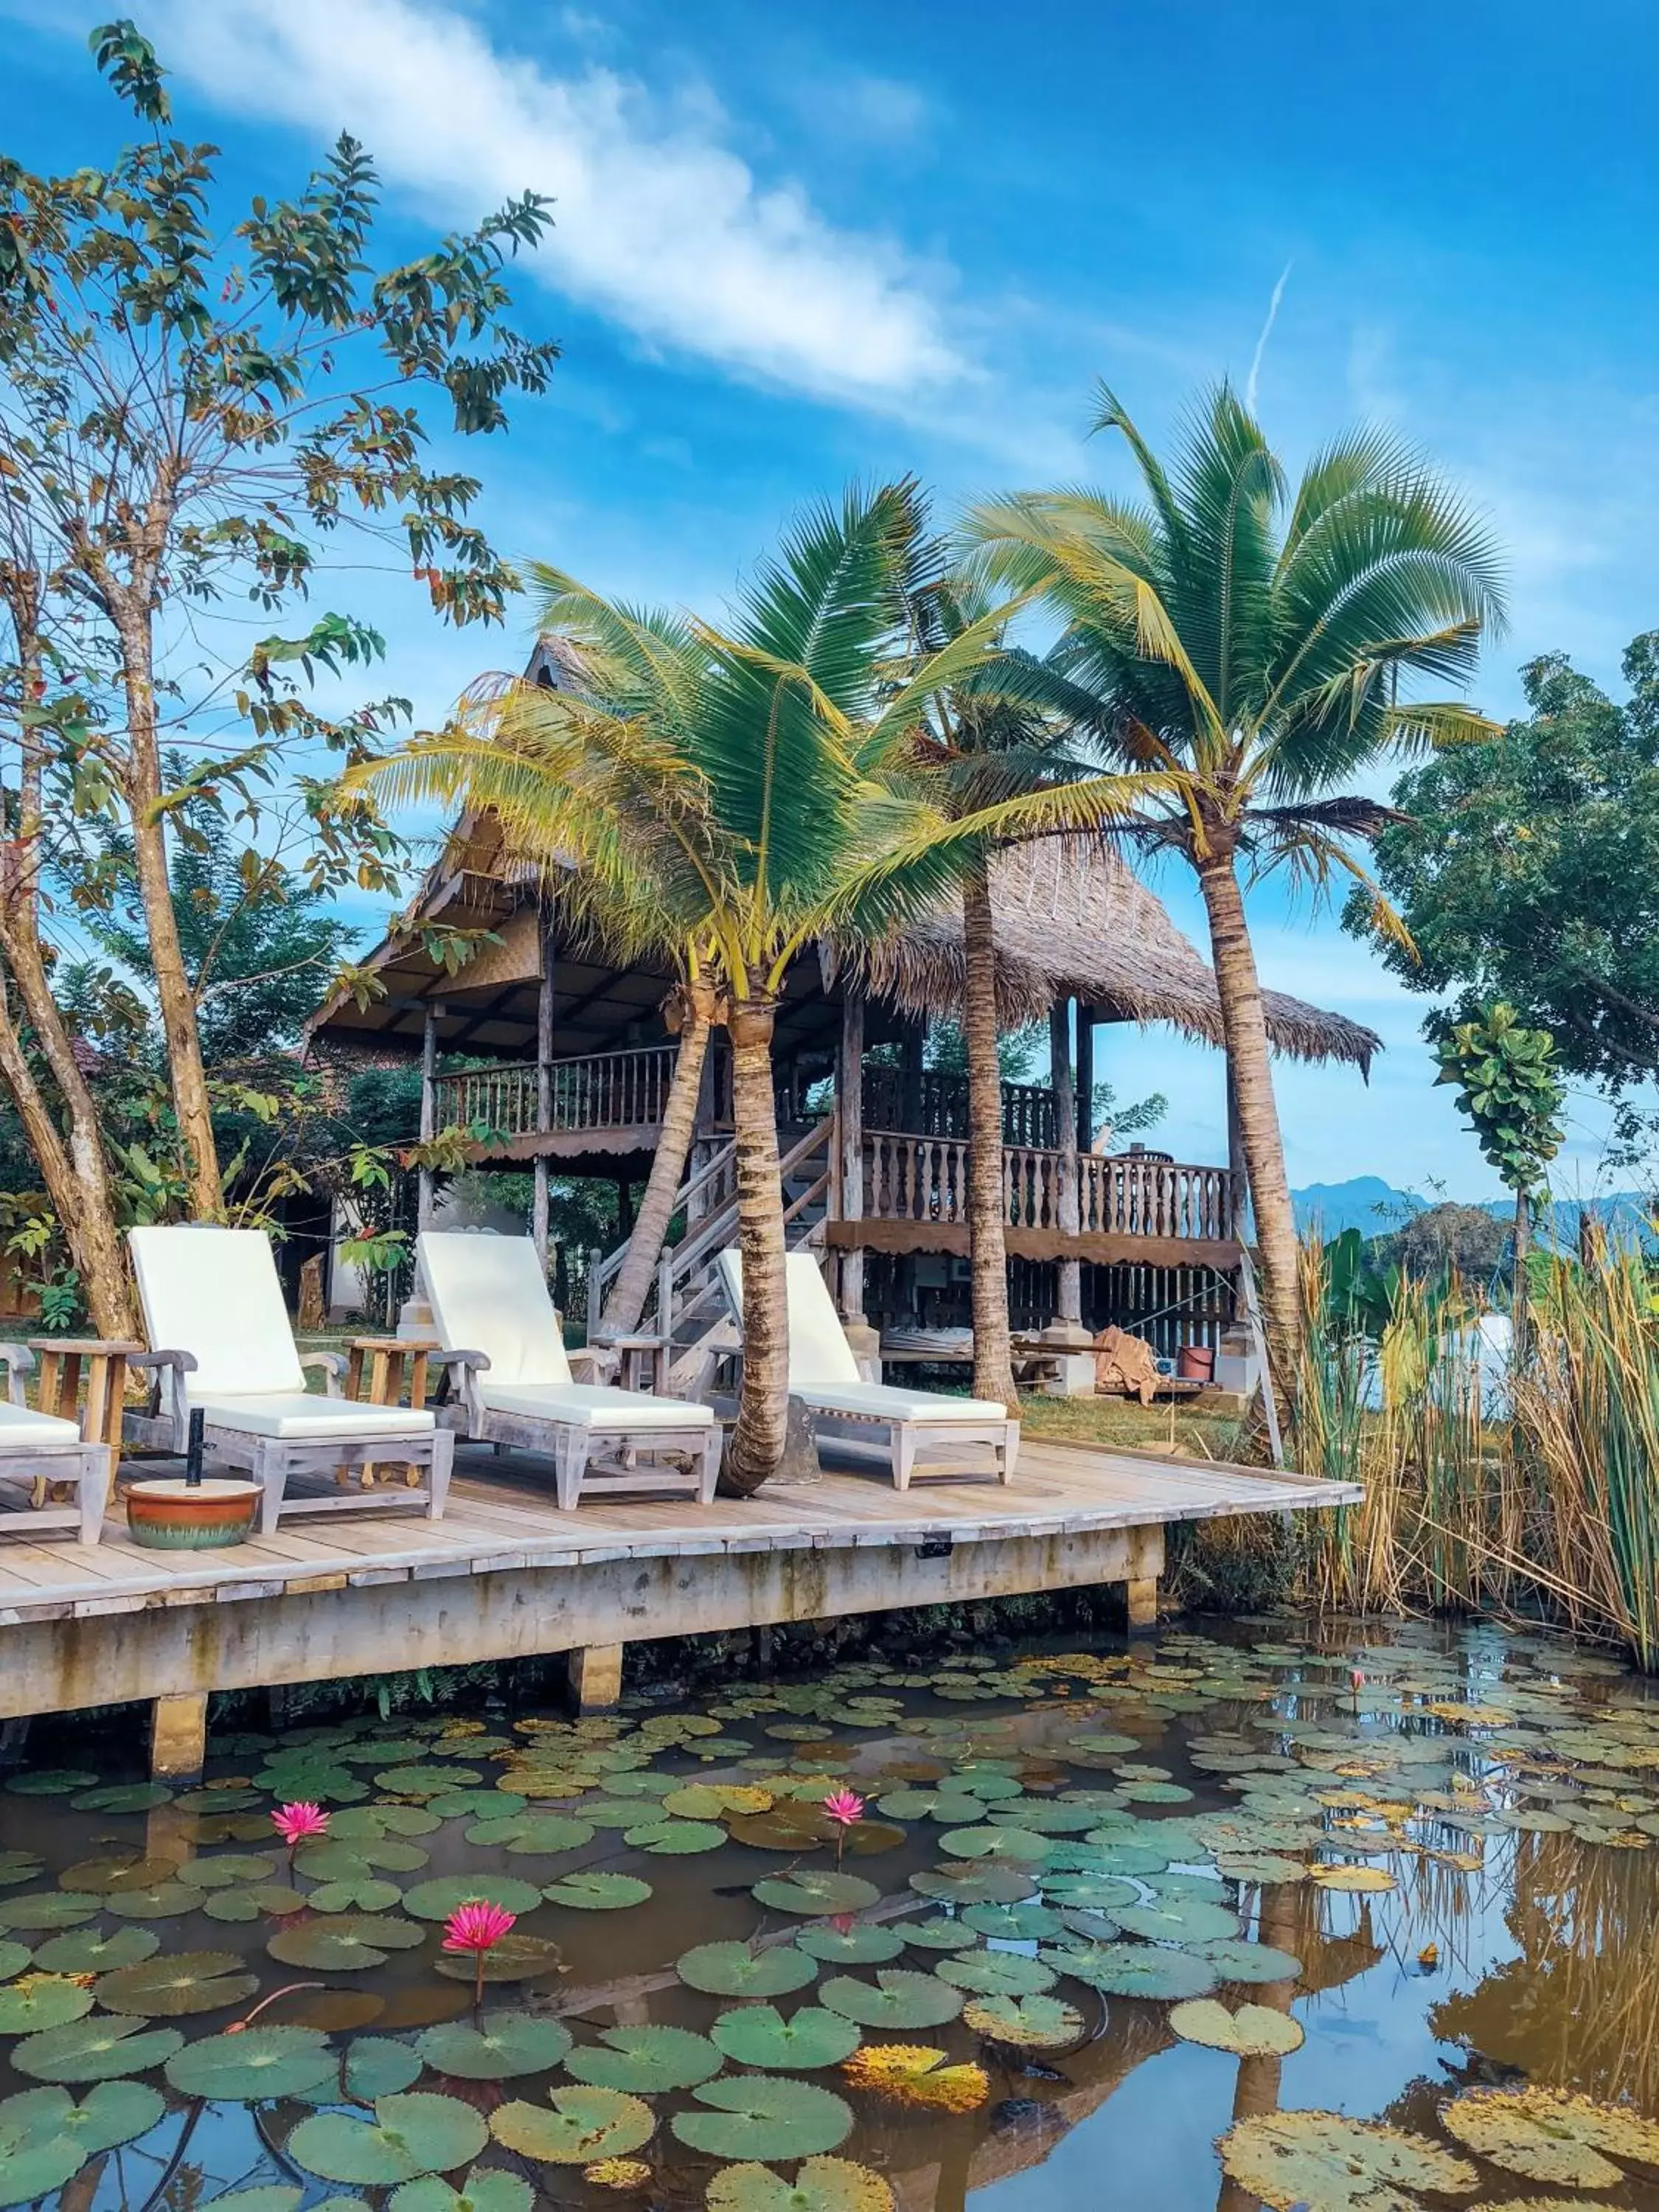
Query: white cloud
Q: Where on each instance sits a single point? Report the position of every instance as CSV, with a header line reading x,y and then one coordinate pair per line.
x,y
658,223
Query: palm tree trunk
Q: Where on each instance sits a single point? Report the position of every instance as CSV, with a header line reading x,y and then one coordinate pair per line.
x,y
1245,1029
756,1450
993,1371
632,1287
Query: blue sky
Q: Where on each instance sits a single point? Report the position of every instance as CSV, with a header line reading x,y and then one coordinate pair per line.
x,y
793,246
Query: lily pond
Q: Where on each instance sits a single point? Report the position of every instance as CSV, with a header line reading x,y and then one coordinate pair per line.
x,y
1219,1919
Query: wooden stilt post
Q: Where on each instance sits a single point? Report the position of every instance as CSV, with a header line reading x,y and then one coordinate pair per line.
x,y
596,1677
428,1109
178,1736
1146,1565
849,1124
1085,1078
1068,1302
544,1083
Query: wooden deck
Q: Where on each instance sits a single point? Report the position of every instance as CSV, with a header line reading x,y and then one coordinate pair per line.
x,y
506,1575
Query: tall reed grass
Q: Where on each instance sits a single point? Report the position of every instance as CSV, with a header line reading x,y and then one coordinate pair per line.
x,y
1520,1487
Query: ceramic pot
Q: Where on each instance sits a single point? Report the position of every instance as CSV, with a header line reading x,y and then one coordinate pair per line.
x,y
168,1515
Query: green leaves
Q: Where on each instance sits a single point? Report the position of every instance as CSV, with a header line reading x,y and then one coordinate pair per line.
x,y
409,2136
1509,1086
503,2043
733,1970
756,2116
645,2060
759,2036
898,1999
253,2063
579,2127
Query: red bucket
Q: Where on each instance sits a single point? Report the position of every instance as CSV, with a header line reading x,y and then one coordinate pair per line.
x,y
1196,1363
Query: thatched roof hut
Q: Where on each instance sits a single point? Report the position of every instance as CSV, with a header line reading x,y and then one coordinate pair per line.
x,y
1070,920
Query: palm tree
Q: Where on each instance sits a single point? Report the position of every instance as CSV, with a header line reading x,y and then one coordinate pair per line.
x,y
743,791
999,735
690,1011
1255,640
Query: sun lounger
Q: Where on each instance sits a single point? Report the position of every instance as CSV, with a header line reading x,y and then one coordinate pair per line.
x,y
219,1339
823,1376
39,1453
499,1334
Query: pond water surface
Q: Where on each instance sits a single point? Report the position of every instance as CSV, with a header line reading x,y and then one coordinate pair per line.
x,y
1376,1917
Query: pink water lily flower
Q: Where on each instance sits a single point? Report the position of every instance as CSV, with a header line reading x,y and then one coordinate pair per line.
x,y
300,1823
846,1809
477,1926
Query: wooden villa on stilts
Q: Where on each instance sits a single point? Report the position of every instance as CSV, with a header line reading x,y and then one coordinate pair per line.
x,y
558,1058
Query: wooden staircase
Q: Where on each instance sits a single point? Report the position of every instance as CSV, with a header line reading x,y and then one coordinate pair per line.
x,y
687,1313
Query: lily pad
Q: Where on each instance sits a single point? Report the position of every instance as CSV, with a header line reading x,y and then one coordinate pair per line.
x,y
532,1833
228,1869
265,1900
733,1970
1236,1960
345,1942
1021,1845
645,2060
516,1958
764,2116
939,1935
1133,1970
973,1884
409,2135
897,1998
577,2128
374,2066
1014,1923
676,1838
102,2048
597,1891
1178,1920
43,2001
997,1973
501,2045
1330,2164
486,2189
1550,2135
168,1986
822,2184
1092,1893
253,2063
123,1797
759,2036
50,1782
916,2074
18,1866
1034,2023
1252,2031
813,1892
39,1910
437,1900
863,1944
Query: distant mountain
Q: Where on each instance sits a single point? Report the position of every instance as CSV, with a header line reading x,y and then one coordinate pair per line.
x,y
1375,1208
1363,1202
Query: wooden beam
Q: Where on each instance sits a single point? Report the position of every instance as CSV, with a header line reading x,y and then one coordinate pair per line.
x,y
179,1653
1068,1300
1085,1078
596,1677
178,1736
543,1082
848,1185
428,1106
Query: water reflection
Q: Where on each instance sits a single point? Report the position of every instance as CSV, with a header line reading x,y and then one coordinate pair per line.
x,y
1475,1816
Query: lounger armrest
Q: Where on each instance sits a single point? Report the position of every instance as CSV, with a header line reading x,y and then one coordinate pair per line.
x,y
169,1369
333,1366
19,1362
464,1360
599,1360
183,1361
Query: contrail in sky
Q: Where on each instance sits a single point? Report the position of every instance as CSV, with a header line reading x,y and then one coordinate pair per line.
x,y
1266,332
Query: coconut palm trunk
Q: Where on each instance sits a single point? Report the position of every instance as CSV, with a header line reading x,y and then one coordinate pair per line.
x,y
756,1450
632,1287
993,1371
1238,986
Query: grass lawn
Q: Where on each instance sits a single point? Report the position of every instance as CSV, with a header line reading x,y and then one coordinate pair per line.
x,y
1199,1434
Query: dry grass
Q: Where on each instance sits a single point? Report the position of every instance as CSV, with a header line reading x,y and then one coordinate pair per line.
x,y
1202,1435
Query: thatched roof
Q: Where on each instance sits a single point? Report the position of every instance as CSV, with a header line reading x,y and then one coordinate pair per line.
x,y
1071,920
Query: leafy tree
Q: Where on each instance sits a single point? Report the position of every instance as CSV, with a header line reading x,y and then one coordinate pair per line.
x,y
1255,638
1465,1238
1529,870
1509,1087
193,411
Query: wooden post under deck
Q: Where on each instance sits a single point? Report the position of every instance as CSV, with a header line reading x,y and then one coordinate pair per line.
x,y
849,1123
544,1082
1068,1300
596,1677
1146,1565
428,1107
177,1736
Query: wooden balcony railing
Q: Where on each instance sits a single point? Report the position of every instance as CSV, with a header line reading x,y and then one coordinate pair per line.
x,y
936,1106
913,1178
601,1091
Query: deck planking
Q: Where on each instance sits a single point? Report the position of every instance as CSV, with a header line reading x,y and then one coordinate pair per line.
x,y
501,1518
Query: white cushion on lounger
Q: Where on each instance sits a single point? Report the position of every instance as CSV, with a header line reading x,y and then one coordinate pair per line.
x,y
488,1294
214,1292
298,1414
883,1403
590,1405
22,1429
